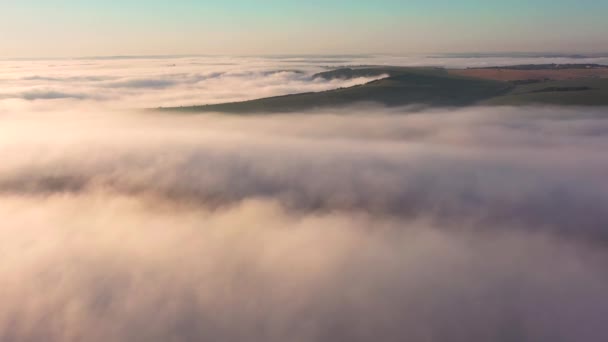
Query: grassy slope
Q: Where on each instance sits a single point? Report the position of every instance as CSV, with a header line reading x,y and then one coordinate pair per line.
x,y
404,86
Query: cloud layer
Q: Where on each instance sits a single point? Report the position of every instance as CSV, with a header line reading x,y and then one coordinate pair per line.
x,y
143,82
152,82
482,224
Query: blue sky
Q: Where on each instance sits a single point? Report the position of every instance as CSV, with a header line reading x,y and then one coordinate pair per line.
x,y
31,28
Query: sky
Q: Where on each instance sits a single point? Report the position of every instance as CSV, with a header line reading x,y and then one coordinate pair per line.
x,y
73,28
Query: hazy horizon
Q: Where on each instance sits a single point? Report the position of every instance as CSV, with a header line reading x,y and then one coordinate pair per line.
x,y
463,54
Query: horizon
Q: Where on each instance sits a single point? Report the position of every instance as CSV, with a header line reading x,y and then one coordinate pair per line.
x,y
465,54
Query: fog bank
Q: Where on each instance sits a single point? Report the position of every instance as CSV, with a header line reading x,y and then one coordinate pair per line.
x,y
479,224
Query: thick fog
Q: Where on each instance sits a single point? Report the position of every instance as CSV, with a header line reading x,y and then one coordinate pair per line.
x,y
354,224
359,224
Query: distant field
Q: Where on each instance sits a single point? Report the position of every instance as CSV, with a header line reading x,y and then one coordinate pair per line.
x,y
514,74
580,92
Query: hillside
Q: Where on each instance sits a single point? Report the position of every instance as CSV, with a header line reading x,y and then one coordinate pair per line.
x,y
437,87
403,86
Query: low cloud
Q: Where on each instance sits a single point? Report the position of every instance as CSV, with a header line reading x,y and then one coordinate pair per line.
x,y
481,224
154,82
145,82
65,79
51,95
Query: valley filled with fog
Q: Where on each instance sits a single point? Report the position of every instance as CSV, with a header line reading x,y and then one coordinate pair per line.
x,y
351,224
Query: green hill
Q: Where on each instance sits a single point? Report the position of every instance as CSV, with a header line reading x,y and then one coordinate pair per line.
x,y
433,87
403,86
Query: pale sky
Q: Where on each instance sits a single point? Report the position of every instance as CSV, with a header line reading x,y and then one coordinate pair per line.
x,y
74,28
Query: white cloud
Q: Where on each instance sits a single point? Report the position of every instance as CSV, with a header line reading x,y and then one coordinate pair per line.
x,y
153,82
